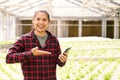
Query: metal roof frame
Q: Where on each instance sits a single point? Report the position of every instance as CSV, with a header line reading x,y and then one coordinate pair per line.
x,y
61,8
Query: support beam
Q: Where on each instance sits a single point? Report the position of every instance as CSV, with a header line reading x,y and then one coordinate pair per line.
x,y
116,27
50,7
104,28
80,28
59,28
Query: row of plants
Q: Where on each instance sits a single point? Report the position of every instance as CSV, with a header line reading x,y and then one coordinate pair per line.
x,y
92,48
5,44
83,66
73,70
84,62
89,70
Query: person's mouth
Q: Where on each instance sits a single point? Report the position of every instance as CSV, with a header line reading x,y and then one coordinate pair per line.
x,y
40,26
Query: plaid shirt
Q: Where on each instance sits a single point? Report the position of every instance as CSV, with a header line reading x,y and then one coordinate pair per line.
x,y
41,67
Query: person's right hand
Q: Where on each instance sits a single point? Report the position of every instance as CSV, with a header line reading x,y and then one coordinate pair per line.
x,y
37,52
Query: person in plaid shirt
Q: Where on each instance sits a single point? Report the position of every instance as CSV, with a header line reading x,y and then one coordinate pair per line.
x,y
38,51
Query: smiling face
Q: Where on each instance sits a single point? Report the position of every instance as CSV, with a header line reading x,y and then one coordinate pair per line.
x,y
40,22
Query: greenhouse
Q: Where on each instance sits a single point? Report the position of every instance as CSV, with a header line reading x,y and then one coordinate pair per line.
x,y
90,27
69,18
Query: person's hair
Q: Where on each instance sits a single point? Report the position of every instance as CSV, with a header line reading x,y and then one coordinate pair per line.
x,y
48,16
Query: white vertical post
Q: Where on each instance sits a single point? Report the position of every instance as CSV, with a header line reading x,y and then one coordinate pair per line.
x,y
64,29
116,27
104,28
59,28
12,31
1,26
4,28
80,27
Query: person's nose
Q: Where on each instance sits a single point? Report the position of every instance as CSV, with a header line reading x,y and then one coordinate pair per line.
x,y
41,21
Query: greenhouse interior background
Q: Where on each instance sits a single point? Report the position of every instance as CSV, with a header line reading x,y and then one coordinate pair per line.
x,y
91,27
69,18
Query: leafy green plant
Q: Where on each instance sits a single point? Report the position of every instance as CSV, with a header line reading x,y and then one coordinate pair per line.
x,y
78,67
107,76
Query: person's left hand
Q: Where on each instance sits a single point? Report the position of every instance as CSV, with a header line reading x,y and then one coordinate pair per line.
x,y
63,57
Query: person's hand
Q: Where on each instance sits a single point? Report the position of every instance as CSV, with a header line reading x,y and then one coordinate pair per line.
x,y
37,52
63,57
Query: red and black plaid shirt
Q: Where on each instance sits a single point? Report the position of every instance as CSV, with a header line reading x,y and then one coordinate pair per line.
x,y
41,67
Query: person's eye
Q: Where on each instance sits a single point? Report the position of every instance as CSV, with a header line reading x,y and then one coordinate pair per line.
x,y
44,19
38,19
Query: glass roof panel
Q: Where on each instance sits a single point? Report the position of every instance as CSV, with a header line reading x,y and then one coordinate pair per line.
x,y
63,8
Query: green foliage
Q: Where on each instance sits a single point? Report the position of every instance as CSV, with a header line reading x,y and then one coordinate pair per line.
x,y
88,60
107,76
5,42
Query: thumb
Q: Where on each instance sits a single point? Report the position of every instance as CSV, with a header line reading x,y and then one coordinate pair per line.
x,y
34,49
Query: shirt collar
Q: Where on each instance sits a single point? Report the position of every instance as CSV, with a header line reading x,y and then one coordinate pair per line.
x,y
33,34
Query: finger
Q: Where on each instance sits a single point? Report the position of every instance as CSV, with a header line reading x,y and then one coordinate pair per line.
x,y
65,54
36,48
62,58
44,52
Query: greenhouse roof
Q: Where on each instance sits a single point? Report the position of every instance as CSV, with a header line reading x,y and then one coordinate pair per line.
x,y
61,8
